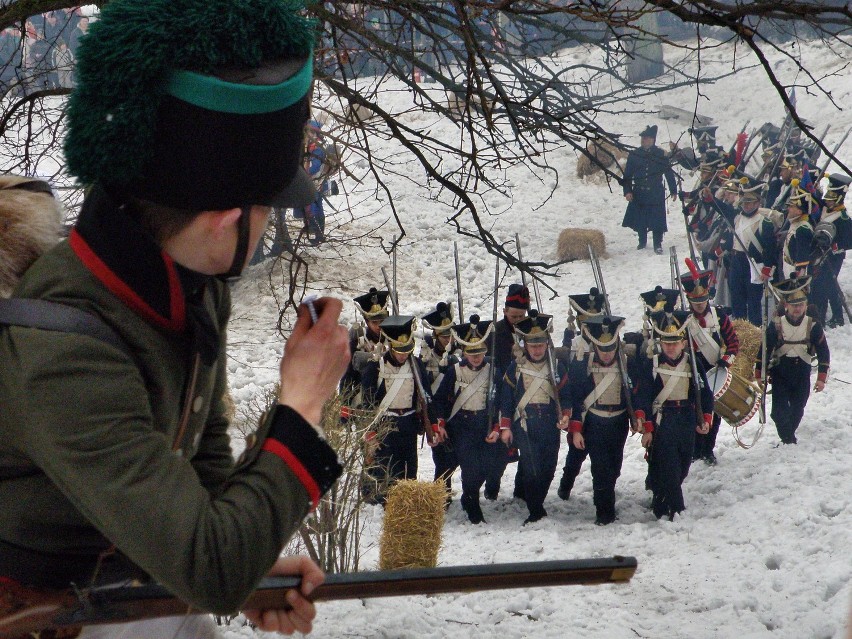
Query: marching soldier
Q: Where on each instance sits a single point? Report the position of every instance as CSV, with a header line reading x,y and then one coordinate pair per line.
x,y
666,393
752,252
584,307
462,401
832,237
796,250
793,340
715,342
365,340
600,420
437,355
529,417
394,386
644,190
515,309
780,186
706,207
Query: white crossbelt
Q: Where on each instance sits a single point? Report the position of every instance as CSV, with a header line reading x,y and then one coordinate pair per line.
x,y
672,378
469,390
539,378
397,381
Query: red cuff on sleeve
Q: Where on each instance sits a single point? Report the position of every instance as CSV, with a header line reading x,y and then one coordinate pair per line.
x,y
767,271
575,426
649,427
822,377
708,418
505,423
640,414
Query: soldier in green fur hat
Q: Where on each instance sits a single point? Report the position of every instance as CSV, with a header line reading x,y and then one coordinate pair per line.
x,y
186,126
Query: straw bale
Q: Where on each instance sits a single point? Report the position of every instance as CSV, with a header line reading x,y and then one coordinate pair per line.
x,y
414,520
606,153
574,243
750,337
355,114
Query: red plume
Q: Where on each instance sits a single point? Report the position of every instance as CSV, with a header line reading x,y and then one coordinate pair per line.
x,y
692,269
740,146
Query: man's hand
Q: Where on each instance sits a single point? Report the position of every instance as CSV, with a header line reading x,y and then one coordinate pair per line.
x,y
673,196
506,436
579,441
628,197
646,439
301,615
439,434
703,428
819,386
315,358
493,436
563,422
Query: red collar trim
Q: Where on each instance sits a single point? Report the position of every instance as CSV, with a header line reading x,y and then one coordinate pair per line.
x,y
177,321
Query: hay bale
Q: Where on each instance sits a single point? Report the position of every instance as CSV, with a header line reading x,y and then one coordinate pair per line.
x,y
605,152
574,243
356,114
414,519
458,102
750,338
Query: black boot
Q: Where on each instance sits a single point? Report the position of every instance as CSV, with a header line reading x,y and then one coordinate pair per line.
x,y
536,515
565,486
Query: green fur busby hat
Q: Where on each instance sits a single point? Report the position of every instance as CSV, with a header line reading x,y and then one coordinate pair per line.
x,y
535,328
670,327
794,290
373,305
838,186
398,330
660,299
603,331
473,335
441,319
194,104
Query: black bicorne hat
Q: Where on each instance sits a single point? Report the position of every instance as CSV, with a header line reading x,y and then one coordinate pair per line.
x,y
398,330
649,132
535,329
603,331
473,334
660,299
441,319
373,305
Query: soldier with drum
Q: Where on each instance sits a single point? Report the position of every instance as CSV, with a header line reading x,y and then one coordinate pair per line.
x,y
715,343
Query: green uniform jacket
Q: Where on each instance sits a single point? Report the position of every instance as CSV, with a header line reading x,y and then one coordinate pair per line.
x,y
86,459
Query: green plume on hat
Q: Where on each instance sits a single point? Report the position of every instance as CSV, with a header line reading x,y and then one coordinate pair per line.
x,y
133,49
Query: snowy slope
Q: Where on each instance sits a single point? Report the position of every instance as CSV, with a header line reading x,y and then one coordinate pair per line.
x,y
762,549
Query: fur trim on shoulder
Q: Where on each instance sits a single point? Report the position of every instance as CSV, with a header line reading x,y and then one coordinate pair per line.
x,y
30,224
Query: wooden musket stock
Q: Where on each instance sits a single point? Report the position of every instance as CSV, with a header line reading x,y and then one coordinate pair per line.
x,y
131,603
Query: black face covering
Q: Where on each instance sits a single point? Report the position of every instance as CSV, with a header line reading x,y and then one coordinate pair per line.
x,y
241,252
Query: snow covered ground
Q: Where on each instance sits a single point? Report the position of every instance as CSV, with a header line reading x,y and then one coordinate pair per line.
x,y
762,550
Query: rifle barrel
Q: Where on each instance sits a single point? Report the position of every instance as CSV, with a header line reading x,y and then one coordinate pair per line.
x,y
125,604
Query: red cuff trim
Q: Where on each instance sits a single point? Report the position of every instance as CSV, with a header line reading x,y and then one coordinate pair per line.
x,y
822,377
649,427
280,450
505,423
575,426
708,418
640,414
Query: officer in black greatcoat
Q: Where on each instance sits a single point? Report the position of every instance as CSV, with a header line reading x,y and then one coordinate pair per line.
x,y
644,190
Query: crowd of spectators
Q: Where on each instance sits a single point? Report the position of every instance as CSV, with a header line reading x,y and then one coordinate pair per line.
x,y
41,56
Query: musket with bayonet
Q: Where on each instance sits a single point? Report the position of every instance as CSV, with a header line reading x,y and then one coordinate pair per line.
x,y
62,612
492,348
834,151
620,358
458,282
